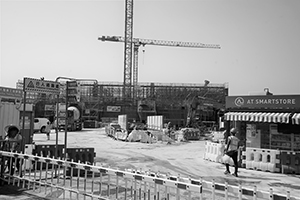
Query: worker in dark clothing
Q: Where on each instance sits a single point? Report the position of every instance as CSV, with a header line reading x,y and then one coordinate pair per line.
x,y
13,138
13,141
169,129
232,151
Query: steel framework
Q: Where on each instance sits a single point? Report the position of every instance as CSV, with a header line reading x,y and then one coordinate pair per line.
x,y
164,95
128,48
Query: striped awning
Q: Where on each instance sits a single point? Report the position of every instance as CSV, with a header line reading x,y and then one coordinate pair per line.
x,y
296,118
262,117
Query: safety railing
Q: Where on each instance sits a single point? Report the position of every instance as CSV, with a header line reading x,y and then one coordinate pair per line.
x,y
80,181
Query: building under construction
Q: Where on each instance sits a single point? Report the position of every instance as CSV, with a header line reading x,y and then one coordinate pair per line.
x,y
104,101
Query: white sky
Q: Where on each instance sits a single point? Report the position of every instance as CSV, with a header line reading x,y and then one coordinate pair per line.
x,y
260,44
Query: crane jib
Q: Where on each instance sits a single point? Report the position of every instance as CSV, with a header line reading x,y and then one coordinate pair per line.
x,y
139,42
131,66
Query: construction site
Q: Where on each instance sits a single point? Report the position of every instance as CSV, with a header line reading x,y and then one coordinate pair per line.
x,y
103,101
78,138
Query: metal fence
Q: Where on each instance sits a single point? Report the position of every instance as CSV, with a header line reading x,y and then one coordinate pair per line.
x,y
72,180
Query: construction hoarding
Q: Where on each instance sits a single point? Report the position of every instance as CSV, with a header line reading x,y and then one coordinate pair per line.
x,y
123,121
155,122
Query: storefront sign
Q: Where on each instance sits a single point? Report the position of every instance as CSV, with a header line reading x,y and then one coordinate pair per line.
x,y
113,108
264,102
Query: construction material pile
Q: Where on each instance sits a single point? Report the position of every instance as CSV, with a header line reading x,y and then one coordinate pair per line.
x,y
186,134
164,136
143,136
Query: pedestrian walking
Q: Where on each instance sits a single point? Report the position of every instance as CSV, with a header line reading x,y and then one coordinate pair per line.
x,y
231,150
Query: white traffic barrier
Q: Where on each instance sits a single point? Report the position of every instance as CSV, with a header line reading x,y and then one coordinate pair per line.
x,y
249,158
243,165
106,183
155,122
214,151
263,159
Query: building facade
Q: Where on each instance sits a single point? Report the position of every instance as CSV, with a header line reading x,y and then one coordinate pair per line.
x,y
267,122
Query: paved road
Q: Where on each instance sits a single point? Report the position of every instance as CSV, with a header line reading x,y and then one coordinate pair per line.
x,y
185,159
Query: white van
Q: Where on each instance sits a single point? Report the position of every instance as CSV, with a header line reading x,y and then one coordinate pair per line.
x,y
42,125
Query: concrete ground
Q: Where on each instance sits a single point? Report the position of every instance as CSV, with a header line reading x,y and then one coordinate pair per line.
x,y
184,158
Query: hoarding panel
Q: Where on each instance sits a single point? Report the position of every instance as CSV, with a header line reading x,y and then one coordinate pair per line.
x,y
122,121
155,122
10,93
9,114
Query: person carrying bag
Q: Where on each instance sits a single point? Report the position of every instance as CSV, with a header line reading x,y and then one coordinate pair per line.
x,y
231,151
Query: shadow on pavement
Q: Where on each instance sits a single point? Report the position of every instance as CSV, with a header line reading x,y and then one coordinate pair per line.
x,y
10,190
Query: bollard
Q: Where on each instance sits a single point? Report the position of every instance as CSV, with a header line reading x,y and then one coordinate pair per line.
x,y
288,195
40,180
226,190
34,174
100,185
117,185
271,194
201,189
240,192
126,186
46,175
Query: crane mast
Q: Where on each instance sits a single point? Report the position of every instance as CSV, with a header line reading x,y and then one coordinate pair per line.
x,y
128,48
133,44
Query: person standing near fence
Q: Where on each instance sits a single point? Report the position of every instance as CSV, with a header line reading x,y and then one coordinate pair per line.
x,y
13,141
232,151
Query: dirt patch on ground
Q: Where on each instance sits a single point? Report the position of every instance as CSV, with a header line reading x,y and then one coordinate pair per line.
x,y
280,184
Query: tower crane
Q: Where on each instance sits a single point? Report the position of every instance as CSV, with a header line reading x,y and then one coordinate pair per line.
x,y
136,43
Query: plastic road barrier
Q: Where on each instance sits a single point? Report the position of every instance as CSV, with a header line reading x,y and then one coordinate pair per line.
x,y
263,159
290,162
